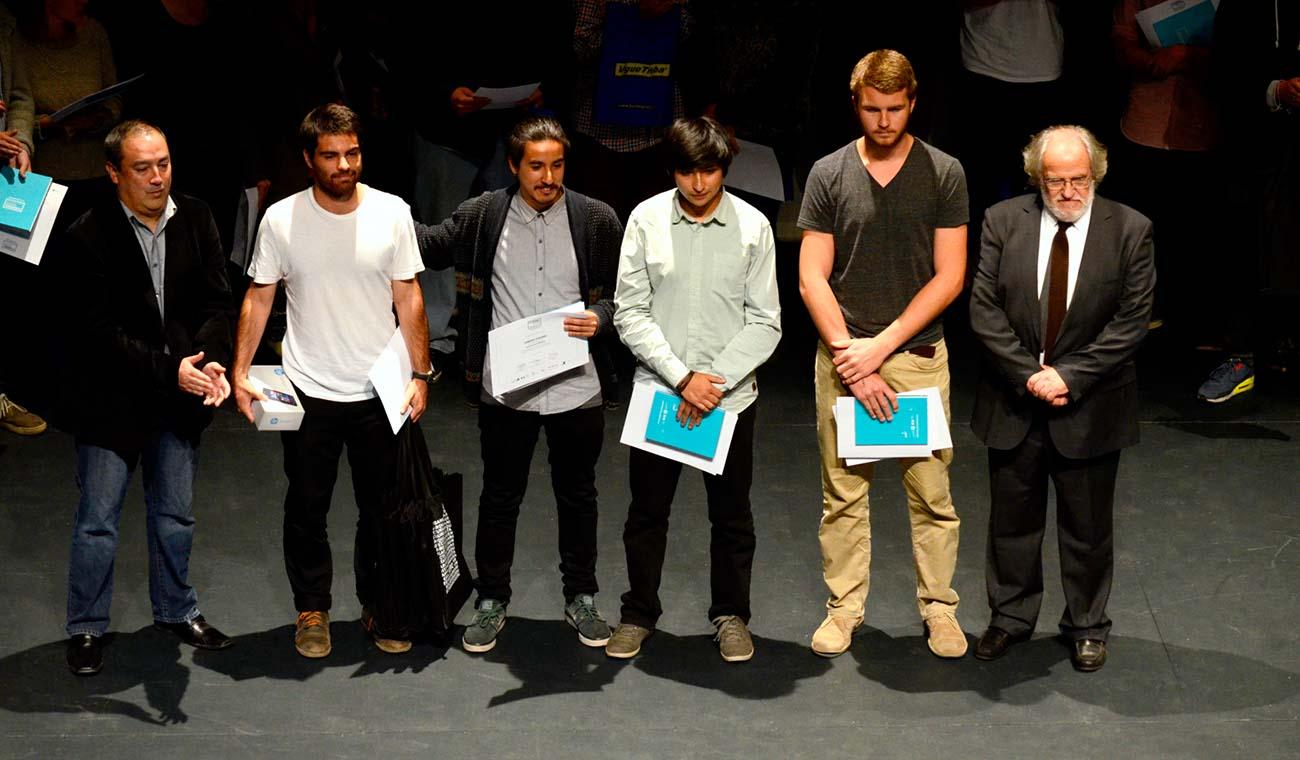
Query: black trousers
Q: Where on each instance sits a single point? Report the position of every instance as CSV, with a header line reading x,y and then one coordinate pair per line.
x,y
1085,499
311,462
573,441
731,544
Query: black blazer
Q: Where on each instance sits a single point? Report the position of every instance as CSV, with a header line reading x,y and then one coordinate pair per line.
x,y
123,387
1106,321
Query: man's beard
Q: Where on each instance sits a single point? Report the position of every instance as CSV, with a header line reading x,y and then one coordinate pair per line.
x,y
1062,215
338,190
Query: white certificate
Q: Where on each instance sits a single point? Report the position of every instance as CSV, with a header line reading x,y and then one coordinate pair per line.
x,y
534,348
939,436
390,375
638,415
756,170
505,97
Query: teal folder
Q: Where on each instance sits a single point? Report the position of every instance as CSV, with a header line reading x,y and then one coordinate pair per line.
x,y
907,428
21,199
664,429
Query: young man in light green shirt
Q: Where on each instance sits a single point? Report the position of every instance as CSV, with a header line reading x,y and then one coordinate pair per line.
x,y
697,304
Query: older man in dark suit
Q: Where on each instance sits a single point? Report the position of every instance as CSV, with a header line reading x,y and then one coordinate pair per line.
x,y
1061,301
149,275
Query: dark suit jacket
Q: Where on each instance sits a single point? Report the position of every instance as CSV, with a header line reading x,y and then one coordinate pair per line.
x,y
468,240
1106,321
123,388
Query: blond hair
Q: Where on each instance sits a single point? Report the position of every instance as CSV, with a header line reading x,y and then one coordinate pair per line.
x,y
885,70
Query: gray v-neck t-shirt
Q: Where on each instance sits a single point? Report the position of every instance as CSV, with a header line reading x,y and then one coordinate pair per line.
x,y
884,236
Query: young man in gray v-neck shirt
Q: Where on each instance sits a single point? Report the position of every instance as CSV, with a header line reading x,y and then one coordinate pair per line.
x,y
883,253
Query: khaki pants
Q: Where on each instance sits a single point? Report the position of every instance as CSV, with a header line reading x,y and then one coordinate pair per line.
x,y
845,531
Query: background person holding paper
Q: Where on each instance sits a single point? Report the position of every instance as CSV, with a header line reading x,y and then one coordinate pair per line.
x,y
1059,397
153,340
883,254
697,304
347,256
524,251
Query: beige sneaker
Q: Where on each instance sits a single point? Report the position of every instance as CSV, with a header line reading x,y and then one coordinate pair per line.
x,y
946,638
833,637
311,636
388,646
733,639
626,641
16,419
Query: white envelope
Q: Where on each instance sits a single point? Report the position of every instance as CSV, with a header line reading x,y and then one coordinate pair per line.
x,y
390,374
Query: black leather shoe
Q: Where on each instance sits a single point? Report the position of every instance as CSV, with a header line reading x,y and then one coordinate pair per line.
x,y
994,643
85,654
197,633
1088,655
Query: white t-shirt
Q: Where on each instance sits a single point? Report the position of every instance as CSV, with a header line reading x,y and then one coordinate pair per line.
x,y
1014,41
338,272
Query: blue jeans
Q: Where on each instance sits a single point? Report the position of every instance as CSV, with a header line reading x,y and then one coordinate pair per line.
x,y
169,465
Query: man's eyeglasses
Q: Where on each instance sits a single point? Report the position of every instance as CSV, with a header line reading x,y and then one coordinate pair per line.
x,y
1076,183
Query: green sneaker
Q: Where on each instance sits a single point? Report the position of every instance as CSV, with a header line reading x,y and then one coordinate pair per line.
x,y
583,616
481,633
626,641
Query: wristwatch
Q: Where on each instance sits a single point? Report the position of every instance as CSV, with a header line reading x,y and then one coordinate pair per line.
x,y
425,376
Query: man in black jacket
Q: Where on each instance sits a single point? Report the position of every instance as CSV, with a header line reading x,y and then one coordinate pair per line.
x,y
150,277
520,252
1060,302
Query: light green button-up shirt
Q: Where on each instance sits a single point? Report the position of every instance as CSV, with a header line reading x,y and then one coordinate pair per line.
x,y
699,295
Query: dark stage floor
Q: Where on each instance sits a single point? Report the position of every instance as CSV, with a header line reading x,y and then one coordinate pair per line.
x,y
1204,657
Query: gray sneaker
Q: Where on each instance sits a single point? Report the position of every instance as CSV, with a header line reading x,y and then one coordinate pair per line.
x,y
626,641
481,633
733,639
583,616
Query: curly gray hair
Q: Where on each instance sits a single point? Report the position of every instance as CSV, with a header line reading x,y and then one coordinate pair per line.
x,y
1033,152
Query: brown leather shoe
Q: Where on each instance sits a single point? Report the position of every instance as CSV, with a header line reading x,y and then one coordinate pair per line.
x,y
311,636
994,643
385,644
1088,655
16,419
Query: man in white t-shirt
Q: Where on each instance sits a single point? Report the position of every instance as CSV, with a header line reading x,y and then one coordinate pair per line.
x,y
348,259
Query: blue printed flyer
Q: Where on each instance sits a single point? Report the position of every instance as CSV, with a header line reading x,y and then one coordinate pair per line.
x,y
664,429
909,426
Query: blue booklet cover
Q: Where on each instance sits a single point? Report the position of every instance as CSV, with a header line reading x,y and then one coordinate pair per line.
x,y
1192,26
21,199
908,428
664,429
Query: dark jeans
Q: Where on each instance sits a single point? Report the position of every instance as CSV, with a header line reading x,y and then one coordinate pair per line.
x,y
573,441
1085,500
731,546
169,465
311,462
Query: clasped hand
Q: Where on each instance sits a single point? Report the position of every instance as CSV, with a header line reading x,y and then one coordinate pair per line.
x,y
856,358
700,396
1047,385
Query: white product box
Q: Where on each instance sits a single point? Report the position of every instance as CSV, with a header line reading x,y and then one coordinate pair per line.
x,y
274,414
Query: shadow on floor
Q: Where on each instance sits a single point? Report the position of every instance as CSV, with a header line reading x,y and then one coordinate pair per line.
x,y
1240,431
545,656
1141,678
37,680
270,654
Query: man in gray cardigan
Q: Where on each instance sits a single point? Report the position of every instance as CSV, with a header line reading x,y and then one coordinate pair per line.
x,y
520,252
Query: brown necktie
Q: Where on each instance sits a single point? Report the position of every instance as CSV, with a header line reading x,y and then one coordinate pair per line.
x,y
1058,275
